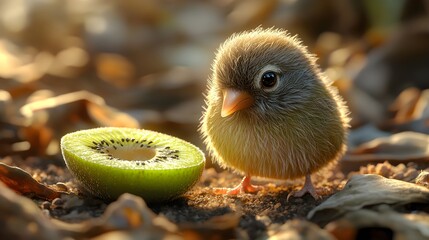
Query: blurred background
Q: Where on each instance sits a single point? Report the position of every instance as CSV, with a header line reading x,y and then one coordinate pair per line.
x,y
67,65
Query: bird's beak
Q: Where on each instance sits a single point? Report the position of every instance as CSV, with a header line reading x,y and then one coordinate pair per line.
x,y
234,100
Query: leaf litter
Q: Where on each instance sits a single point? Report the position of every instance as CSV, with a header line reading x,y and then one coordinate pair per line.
x,y
23,183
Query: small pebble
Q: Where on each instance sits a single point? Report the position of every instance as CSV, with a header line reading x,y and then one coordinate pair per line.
x,y
57,203
45,205
423,179
62,186
264,219
72,201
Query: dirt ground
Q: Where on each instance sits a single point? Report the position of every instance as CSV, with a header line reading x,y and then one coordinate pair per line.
x,y
254,212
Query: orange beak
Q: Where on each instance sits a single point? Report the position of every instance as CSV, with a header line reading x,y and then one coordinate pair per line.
x,y
234,100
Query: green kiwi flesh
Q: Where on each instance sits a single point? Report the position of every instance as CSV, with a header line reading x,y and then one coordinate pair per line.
x,y
111,161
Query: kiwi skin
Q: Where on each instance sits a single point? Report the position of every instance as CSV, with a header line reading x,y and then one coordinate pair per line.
x,y
108,178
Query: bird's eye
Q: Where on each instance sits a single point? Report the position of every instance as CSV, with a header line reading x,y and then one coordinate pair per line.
x,y
269,79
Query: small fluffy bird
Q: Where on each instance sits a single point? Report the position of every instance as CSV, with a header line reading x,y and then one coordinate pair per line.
x,y
270,111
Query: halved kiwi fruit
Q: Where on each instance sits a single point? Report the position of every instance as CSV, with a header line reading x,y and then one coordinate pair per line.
x,y
111,161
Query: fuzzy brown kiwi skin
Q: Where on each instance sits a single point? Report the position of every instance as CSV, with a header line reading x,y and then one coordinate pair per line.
x,y
152,185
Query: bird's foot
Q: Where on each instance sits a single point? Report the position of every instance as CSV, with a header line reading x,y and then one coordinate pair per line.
x,y
244,186
307,188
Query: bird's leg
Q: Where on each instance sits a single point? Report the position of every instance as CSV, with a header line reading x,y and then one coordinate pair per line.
x,y
307,188
243,186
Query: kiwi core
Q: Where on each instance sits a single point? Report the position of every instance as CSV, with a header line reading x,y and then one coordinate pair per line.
x,y
139,154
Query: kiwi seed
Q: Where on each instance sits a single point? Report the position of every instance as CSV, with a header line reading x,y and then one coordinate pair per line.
x,y
111,161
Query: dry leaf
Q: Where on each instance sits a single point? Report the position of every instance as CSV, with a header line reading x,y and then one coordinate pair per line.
x,y
129,213
22,219
38,137
50,118
423,179
47,119
411,109
137,234
104,115
384,222
368,190
415,106
401,148
55,109
363,135
405,105
22,182
298,230
219,227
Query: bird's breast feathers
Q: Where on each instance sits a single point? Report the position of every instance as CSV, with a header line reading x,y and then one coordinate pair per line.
x,y
267,149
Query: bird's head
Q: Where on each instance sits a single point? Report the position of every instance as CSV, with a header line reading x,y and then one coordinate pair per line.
x,y
263,72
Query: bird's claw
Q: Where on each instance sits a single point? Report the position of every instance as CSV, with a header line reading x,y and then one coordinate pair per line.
x,y
244,187
307,188
302,192
237,190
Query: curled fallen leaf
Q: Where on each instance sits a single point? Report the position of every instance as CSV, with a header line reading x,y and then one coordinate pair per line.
x,y
22,182
368,190
55,110
50,118
405,105
57,106
402,147
411,110
382,223
103,115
